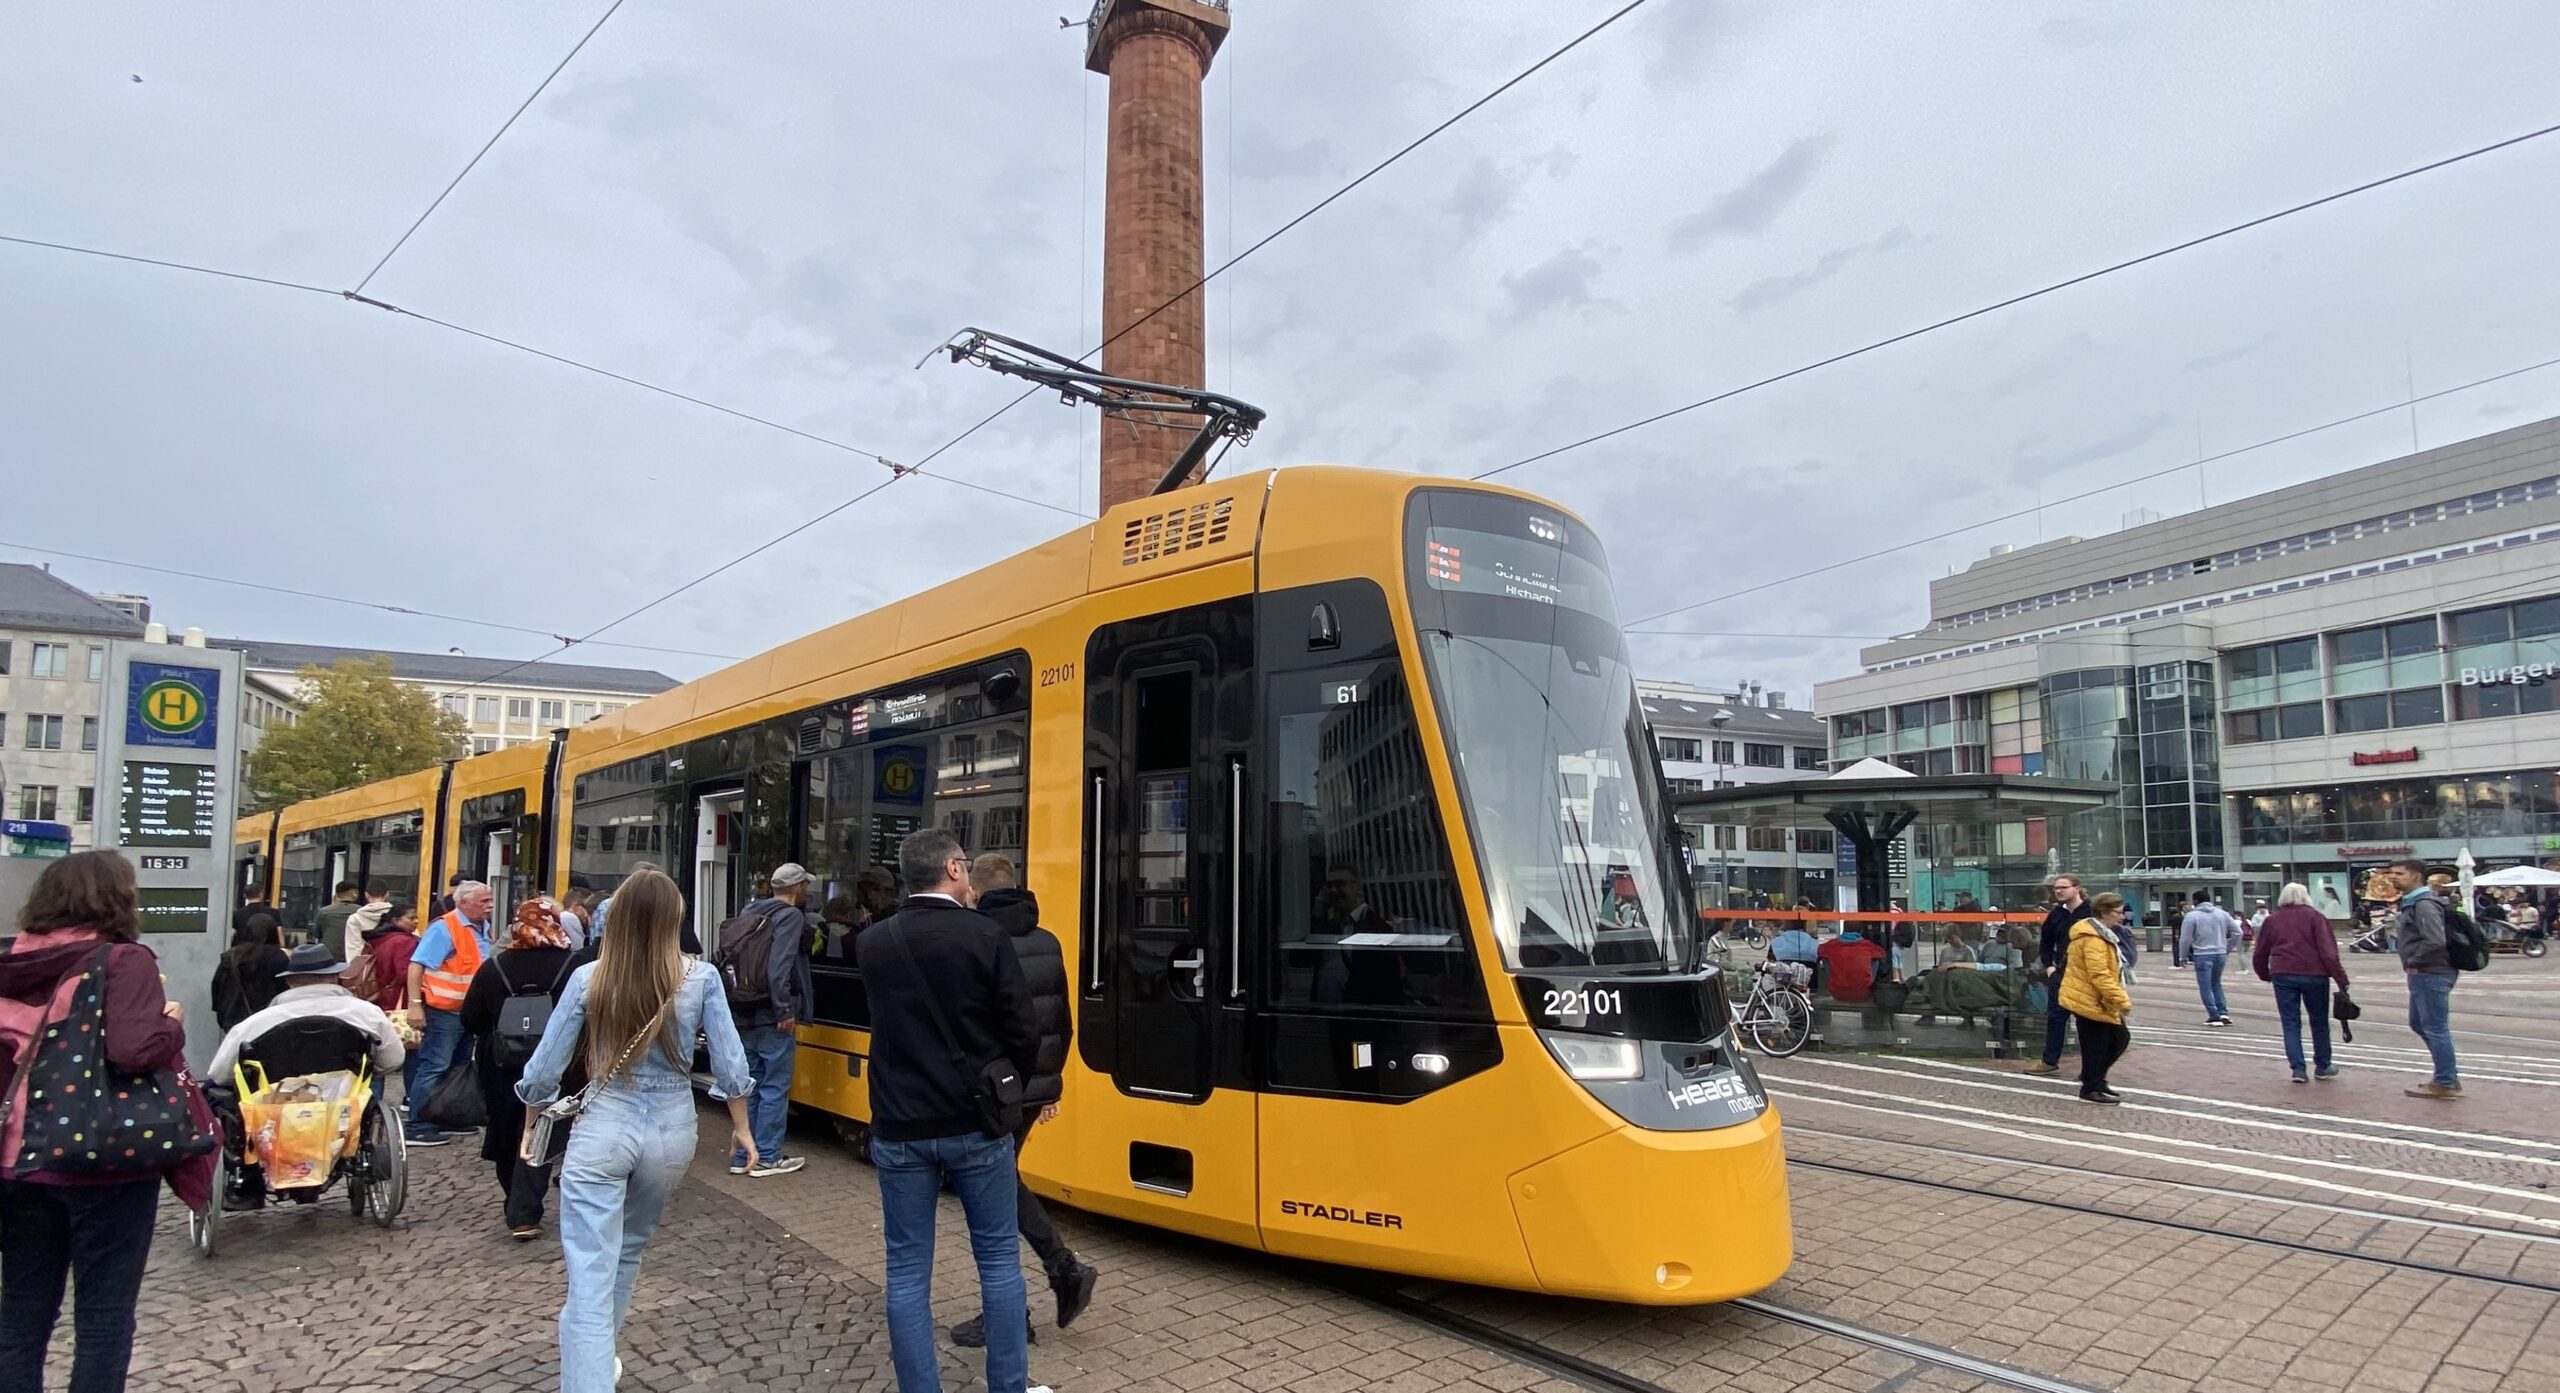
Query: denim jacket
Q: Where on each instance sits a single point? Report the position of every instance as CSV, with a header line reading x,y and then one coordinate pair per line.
x,y
701,1007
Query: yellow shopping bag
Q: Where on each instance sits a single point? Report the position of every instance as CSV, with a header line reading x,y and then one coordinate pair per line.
x,y
297,1128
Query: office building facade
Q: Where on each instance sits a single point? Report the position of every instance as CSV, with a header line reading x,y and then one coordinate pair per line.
x,y
503,703
2296,685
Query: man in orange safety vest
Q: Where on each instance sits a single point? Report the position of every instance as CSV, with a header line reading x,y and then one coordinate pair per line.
x,y
440,972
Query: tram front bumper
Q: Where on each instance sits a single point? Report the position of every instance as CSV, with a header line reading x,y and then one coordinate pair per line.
x,y
1660,1218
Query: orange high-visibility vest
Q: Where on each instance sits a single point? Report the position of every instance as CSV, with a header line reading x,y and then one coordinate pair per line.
x,y
447,981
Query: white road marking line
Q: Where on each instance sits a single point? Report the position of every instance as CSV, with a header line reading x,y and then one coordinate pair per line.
x,y
2309,1182
2258,1107
2476,1186
2201,1116
2468,1074
2350,1211
2342,1049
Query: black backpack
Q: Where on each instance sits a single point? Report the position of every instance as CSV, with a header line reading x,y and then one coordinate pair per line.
x,y
745,958
522,1018
2464,943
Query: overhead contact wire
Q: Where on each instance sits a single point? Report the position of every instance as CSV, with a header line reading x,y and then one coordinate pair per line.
x,y
2082,279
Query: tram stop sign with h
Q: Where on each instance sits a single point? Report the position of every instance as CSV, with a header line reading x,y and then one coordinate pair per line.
x,y
172,708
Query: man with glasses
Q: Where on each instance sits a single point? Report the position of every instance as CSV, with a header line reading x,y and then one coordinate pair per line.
x,y
2052,946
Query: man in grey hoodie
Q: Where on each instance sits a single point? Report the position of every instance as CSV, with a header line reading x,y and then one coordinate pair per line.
x,y
2206,939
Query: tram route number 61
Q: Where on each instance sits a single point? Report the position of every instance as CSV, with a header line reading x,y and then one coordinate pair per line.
x,y
1584,1001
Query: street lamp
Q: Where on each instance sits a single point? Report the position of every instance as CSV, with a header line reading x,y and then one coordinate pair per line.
x,y
1715,749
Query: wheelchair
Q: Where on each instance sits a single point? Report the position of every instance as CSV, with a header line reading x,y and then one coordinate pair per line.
x,y
376,1176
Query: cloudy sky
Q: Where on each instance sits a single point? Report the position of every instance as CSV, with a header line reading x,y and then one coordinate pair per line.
x,y
781,207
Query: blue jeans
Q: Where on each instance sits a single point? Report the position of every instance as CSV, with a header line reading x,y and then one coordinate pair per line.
x,y
94,1237
442,1048
2431,1015
2297,993
2209,984
771,1053
981,1170
625,1157
2057,1022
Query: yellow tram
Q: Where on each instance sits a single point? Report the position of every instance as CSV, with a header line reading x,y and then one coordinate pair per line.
x,y
1334,787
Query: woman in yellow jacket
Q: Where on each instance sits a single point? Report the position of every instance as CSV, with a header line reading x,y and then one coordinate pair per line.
x,y
2093,991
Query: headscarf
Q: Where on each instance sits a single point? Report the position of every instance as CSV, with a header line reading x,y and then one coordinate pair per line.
x,y
538,926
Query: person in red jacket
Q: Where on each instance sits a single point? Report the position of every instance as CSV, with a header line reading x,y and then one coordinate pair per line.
x,y
91,1231
1849,964
2297,951
390,939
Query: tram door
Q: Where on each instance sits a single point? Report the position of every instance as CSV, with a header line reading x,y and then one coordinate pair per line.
x,y
1169,722
1160,967
719,862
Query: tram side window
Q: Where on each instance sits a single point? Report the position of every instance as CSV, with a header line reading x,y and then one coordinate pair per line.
x,y
394,861
305,887
1368,919
863,800
612,837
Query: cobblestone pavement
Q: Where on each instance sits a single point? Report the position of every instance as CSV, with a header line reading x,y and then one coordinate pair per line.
x,y
773,1284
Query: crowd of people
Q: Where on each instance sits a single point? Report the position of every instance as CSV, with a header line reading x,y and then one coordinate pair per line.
x,y
2076,970
567,1038
2085,957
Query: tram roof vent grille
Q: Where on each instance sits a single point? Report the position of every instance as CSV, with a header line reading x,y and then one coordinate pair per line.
x,y
810,737
1145,539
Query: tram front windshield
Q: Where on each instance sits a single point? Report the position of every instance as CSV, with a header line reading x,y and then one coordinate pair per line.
x,y
1520,634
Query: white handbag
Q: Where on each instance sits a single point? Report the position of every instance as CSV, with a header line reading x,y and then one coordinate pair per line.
x,y
536,1147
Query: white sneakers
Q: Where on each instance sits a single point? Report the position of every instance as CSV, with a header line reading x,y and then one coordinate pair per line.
x,y
779,1165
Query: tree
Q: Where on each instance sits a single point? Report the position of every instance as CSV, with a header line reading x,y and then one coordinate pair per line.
x,y
357,725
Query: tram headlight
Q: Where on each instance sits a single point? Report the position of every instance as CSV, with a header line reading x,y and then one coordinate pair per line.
x,y
1596,1056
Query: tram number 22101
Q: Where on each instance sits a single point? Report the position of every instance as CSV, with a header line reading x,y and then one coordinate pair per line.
x,y
1584,1001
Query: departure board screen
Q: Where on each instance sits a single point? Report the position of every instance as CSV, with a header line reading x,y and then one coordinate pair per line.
x,y
167,804
174,909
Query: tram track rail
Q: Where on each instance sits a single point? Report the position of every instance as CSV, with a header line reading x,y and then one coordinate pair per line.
x,y
2190,1186
1601,1378
2206,1230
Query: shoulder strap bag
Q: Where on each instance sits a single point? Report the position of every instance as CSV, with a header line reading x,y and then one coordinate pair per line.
x,y
996,1086
82,1116
536,1147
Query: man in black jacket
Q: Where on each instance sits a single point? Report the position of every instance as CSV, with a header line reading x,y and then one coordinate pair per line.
x,y
2069,908
947,998
1044,969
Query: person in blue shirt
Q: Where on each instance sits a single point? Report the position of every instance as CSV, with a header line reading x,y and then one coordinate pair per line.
x,y
449,954
1794,946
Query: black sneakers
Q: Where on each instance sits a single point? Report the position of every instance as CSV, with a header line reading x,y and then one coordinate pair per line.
x,y
1075,1292
972,1333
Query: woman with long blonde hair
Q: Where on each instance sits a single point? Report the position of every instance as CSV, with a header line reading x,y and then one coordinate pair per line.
x,y
629,1018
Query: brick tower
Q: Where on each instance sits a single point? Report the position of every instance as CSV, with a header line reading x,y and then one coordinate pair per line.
x,y
1156,53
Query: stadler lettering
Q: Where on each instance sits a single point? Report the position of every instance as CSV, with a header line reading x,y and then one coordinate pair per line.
x,y
1312,1209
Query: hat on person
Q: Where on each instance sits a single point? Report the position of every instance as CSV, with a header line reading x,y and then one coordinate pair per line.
x,y
788,874
312,960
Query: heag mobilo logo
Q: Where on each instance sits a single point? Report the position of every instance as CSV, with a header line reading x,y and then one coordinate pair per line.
x,y
2521,675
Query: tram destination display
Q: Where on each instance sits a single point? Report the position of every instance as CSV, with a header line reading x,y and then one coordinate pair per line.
x,y
168,804
1537,569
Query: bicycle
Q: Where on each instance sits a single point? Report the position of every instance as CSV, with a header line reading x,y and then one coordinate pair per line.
x,y
1778,1014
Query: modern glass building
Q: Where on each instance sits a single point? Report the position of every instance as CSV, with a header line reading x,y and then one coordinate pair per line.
x,y
2296,685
